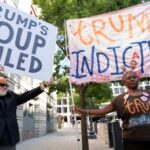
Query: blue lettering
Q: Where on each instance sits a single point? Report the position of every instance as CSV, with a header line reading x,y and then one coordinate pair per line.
x,y
44,30
98,62
7,60
1,8
1,51
11,18
18,39
20,20
39,42
32,23
11,32
21,60
36,65
85,63
116,60
124,58
77,65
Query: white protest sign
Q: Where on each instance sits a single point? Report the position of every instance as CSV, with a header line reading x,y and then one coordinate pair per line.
x,y
27,44
100,45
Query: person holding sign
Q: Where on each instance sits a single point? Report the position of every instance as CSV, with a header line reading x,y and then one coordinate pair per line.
x,y
133,108
9,132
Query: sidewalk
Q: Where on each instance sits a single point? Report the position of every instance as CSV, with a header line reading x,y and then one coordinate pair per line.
x,y
64,139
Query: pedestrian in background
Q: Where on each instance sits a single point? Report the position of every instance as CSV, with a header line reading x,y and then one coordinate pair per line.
x,y
73,122
133,107
9,131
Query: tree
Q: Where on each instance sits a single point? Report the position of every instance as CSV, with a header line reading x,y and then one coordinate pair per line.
x,y
98,93
57,12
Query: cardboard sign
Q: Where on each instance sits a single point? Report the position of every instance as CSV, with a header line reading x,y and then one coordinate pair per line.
x,y
27,44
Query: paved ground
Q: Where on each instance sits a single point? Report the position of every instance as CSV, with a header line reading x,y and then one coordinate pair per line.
x,y
63,139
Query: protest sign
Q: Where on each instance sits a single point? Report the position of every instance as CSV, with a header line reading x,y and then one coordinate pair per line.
x,y
100,45
27,44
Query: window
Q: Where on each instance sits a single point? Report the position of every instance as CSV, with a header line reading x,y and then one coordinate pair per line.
x,y
122,90
25,112
58,102
147,87
59,109
65,109
116,90
140,83
147,82
65,101
116,83
65,119
30,110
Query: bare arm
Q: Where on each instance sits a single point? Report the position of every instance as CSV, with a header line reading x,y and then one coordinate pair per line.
x,y
103,111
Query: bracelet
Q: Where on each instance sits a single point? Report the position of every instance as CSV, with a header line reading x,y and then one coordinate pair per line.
x,y
88,111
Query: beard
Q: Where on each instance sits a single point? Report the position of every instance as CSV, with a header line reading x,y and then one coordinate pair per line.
x,y
3,93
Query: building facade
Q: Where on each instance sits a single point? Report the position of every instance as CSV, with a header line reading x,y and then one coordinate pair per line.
x,y
64,111
118,89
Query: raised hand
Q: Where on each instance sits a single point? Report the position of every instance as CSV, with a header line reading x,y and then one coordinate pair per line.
x,y
45,84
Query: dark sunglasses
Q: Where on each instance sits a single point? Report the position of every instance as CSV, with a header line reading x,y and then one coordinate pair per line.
x,y
4,85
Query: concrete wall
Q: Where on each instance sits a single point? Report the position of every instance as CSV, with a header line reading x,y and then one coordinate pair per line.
x,y
102,129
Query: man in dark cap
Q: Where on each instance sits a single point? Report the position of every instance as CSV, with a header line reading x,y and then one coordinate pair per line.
x,y
9,132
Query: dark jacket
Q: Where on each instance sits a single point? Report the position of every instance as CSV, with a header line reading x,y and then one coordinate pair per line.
x,y
8,108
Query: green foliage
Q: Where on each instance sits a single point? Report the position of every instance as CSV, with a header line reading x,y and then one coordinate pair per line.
x,y
98,93
98,90
76,98
60,85
59,68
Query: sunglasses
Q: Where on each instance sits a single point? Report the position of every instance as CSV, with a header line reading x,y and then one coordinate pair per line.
x,y
4,85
